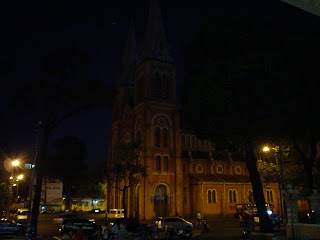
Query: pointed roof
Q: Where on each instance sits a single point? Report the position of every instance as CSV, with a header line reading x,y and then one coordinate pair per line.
x,y
155,45
130,58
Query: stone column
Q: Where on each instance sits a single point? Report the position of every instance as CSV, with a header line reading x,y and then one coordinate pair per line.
x,y
315,204
292,214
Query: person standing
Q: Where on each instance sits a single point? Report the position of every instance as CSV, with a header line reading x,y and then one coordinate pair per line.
x,y
198,218
122,234
79,235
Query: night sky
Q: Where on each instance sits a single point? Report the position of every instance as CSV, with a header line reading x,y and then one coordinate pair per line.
x,y
30,30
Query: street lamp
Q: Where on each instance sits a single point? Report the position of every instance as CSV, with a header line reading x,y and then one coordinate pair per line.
x,y
15,163
18,178
266,149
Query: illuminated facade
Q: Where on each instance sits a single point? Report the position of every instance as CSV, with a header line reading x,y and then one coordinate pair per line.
x,y
182,176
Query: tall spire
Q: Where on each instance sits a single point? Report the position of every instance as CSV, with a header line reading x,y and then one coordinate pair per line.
x,y
130,57
155,45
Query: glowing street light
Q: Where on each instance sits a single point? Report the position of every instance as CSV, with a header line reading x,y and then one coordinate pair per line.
x,y
15,163
266,149
20,177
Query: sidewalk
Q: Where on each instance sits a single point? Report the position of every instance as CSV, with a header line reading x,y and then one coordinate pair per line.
x,y
224,229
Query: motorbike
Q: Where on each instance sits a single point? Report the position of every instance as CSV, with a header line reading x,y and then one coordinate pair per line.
x,y
205,228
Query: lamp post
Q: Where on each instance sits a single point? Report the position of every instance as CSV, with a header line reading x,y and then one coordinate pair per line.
x,y
18,180
291,195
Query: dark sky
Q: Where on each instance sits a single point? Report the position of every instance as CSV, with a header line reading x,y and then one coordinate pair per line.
x,y
30,30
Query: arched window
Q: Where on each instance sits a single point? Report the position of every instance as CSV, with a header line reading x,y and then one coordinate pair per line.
x,y
165,137
193,143
157,137
214,196
232,195
188,141
209,196
206,145
138,137
158,163
139,89
183,141
164,86
269,195
157,85
166,163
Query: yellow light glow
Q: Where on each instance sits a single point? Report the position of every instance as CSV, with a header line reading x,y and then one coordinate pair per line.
x,y
266,149
20,177
10,177
15,163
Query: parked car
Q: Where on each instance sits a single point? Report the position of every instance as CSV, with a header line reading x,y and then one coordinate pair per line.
x,y
59,219
176,223
8,227
21,217
96,210
132,225
71,225
115,213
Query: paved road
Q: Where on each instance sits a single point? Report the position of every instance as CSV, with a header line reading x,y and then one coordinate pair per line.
x,y
219,229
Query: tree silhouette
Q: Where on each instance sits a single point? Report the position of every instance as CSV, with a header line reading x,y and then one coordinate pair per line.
x,y
63,89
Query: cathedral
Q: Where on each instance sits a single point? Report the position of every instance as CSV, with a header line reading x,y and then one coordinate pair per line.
x,y
182,175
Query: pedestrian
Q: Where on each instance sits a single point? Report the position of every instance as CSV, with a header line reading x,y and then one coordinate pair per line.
x,y
205,225
105,226
115,228
106,234
122,234
65,237
198,218
79,235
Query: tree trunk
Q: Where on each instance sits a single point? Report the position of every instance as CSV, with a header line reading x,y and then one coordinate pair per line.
x,y
124,201
265,222
39,174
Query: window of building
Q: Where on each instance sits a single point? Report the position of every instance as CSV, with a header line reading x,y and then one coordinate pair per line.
x,y
206,145
184,167
138,136
269,195
139,89
158,163
157,137
193,142
157,85
212,196
238,170
219,169
166,163
200,168
164,86
232,195
183,141
165,137
188,141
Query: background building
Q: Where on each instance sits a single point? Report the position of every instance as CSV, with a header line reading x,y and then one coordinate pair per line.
x,y
182,174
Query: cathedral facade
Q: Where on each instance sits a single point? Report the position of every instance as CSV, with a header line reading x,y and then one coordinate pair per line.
x,y
182,175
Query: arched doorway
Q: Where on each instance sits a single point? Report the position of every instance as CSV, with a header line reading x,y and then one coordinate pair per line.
x,y
161,201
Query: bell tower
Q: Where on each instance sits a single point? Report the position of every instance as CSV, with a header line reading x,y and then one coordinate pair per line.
x,y
155,75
